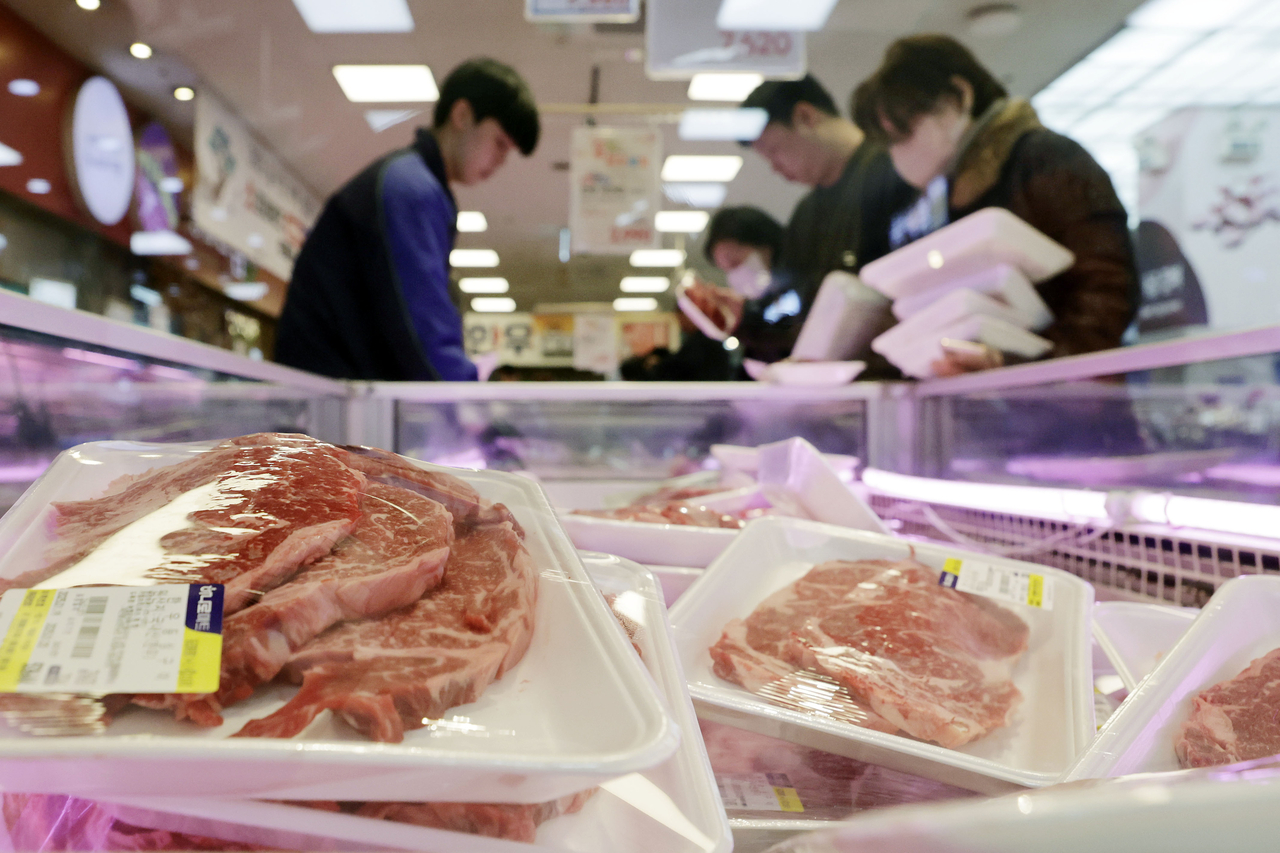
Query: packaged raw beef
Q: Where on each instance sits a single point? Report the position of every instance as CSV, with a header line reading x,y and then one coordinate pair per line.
x,y
880,644
325,556
1235,720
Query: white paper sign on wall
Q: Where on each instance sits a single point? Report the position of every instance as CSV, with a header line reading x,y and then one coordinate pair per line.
x,y
595,11
102,151
614,187
682,39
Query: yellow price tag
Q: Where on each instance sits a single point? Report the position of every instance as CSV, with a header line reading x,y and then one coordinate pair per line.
x,y
788,799
20,639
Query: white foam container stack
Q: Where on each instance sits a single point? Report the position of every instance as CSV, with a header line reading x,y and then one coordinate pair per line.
x,y
916,357
674,807
1049,730
954,307
968,246
845,316
1240,623
578,709
1001,281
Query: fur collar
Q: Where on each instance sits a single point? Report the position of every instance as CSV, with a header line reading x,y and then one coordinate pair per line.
x,y
991,142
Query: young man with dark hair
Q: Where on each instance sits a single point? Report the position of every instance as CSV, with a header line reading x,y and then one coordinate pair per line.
x,y
369,297
840,225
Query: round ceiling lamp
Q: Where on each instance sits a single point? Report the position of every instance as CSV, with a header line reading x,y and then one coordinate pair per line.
x,y
993,20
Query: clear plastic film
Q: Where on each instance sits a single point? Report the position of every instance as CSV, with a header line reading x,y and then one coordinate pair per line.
x,y
1228,809
849,642
443,619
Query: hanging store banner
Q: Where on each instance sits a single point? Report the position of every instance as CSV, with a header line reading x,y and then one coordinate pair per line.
x,y
595,343
682,39
615,190
520,339
590,11
244,196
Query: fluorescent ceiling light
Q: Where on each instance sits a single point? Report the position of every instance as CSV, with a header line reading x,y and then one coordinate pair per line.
x,y
355,16
89,5
791,15
723,85
158,243
184,93
701,167
140,50
645,284
472,222
680,221
743,124
473,258
657,258
494,284
246,291
24,88
9,157
380,120
363,84
635,303
1061,504
493,304
696,194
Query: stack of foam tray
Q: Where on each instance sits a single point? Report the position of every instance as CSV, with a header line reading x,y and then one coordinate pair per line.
x,y
1047,732
578,712
969,281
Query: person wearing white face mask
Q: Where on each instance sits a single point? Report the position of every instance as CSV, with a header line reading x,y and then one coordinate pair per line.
x,y
954,134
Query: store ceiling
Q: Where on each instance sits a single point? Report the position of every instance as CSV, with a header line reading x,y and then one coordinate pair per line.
x,y
261,58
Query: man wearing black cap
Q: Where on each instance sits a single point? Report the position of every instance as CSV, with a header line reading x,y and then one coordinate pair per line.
x,y
369,297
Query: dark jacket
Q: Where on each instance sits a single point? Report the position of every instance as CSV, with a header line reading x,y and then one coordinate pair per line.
x,y
369,297
840,227
1055,185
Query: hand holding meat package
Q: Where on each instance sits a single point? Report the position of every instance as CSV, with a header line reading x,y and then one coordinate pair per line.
x,y
882,645
390,592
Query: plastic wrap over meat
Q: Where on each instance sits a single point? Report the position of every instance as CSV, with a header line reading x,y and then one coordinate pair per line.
x,y
671,512
1237,720
328,555
882,645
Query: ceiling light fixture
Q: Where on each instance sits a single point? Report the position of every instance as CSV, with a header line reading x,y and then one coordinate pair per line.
x,y
993,20
140,50
635,303
742,124
701,167
723,85
771,15
24,88
158,243
493,304
184,93
473,258
9,157
495,284
657,258
645,284
355,16
363,84
681,221
696,194
472,222
89,5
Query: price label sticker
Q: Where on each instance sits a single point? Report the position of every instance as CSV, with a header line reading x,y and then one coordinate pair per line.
x,y
111,639
1001,582
758,792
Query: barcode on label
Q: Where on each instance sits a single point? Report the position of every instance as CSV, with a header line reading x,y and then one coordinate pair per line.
x,y
85,641
993,581
96,605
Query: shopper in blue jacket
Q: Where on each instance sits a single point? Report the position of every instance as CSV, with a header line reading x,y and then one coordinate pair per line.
x,y
369,297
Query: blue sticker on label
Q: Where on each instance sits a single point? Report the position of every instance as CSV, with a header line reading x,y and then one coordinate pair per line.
x,y
204,608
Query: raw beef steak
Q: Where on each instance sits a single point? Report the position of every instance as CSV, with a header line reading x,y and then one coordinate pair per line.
x,y
1236,720
394,554
247,514
931,661
512,821
676,512
384,676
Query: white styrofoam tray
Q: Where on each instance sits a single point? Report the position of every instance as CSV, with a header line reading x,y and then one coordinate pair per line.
x,y
674,807
674,580
916,357
1240,623
1136,636
1051,727
844,317
735,457
663,544
817,374
954,307
1223,811
967,246
1001,281
576,710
